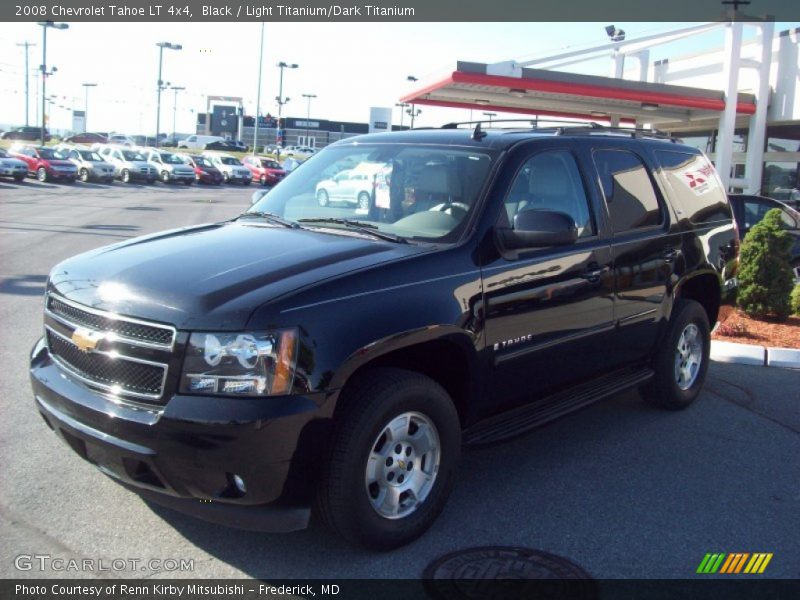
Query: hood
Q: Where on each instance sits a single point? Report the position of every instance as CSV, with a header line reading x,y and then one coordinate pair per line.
x,y
213,276
138,164
12,162
57,162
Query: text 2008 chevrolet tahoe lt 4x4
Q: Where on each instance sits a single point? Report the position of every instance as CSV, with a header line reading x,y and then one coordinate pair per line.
x,y
397,296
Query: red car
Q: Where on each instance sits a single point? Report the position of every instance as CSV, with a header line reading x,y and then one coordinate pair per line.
x,y
45,164
87,138
204,171
265,170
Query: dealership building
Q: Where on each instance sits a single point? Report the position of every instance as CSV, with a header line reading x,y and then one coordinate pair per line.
x,y
739,103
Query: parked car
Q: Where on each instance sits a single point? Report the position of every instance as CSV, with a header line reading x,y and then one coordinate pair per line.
x,y
91,167
121,140
265,170
30,134
46,164
12,167
750,210
169,166
204,171
302,354
353,186
129,164
87,138
199,142
233,171
301,151
227,146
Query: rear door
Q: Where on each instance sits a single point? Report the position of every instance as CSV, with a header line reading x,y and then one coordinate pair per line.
x,y
642,249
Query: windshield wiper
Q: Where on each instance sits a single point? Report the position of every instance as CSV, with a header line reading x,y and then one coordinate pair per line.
x,y
272,218
360,226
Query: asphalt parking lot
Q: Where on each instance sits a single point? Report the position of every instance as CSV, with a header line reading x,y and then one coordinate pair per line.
x,y
621,489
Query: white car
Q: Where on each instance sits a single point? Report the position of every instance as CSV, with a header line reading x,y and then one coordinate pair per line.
x,y
303,151
121,140
198,142
353,186
171,168
232,169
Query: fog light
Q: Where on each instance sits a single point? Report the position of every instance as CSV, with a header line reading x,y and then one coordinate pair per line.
x,y
239,483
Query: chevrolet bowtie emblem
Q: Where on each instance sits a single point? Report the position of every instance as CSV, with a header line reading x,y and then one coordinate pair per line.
x,y
85,339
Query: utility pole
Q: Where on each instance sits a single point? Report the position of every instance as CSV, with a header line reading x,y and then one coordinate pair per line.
x,y
86,87
161,46
258,91
26,45
45,25
176,89
308,114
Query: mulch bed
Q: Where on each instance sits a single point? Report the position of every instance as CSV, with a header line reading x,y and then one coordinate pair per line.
x,y
736,326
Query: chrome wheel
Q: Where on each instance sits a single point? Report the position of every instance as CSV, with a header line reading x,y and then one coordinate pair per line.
x,y
363,201
402,465
688,356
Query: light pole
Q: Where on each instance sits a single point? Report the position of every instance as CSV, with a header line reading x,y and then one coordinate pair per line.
x,y
281,100
26,45
411,110
86,87
176,89
402,106
258,91
308,114
490,115
45,25
161,46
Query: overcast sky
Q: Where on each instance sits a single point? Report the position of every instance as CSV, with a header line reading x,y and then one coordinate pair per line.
x,y
349,66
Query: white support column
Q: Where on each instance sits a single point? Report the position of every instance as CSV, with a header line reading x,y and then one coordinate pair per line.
x,y
758,122
644,64
727,120
617,64
660,70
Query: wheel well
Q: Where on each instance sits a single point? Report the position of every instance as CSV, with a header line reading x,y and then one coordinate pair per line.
x,y
443,361
704,289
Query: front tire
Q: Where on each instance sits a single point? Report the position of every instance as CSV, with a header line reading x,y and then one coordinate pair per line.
x,y
164,177
363,201
41,174
681,362
395,449
126,176
226,178
322,198
84,175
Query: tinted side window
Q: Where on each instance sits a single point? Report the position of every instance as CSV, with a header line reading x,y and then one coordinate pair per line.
x,y
632,201
551,180
695,185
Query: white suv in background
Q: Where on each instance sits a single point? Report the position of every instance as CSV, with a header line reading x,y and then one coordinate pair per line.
x,y
129,164
232,169
198,142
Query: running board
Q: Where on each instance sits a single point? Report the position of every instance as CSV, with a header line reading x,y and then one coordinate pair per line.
x,y
522,419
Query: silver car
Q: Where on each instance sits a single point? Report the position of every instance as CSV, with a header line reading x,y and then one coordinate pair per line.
x,y
91,167
129,165
170,167
12,167
232,169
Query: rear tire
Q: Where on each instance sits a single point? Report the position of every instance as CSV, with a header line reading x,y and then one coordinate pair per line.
x,y
395,448
322,198
164,177
19,178
126,176
363,201
84,175
682,359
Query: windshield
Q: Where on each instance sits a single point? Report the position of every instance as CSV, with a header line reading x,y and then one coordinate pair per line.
x,y
423,192
90,156
170,159
131,155
202,162
270,164
229,160
50,154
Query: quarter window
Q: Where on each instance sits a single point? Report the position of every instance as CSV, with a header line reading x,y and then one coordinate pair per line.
x,y
629,193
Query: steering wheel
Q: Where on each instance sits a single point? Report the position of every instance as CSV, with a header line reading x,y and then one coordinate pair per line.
x,y
457,210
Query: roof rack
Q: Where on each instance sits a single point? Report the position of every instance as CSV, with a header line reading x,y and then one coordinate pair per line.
x,y
563,127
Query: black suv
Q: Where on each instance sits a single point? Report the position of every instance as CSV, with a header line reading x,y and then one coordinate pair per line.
x,y
330,350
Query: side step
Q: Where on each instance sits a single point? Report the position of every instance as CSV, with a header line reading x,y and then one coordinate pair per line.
x,y
519,420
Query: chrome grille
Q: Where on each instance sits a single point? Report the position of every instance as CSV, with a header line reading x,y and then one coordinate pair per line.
x,y
133,330
107,370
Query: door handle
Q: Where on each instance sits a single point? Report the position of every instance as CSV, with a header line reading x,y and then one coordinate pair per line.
x,y
671,254
593,273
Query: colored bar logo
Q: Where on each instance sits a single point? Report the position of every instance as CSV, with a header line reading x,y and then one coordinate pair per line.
x,y
734,563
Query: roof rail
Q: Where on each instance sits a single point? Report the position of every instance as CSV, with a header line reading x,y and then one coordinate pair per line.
x,y
563,127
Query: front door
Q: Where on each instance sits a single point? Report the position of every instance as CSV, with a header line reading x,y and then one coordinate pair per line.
x,y
547,310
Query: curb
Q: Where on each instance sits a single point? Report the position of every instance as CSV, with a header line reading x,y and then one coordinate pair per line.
x,y
746,354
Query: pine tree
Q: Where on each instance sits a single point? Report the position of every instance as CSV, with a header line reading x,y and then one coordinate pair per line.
x,y
765,271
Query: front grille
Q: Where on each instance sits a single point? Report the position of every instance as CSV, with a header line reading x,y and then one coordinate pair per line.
x,y
130,329
109,371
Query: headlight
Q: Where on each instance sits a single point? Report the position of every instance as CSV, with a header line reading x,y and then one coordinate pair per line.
x,y
240,364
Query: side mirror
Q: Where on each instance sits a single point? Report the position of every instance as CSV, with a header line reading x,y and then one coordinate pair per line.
x,y
539,229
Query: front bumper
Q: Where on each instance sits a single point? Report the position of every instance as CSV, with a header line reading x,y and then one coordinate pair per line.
x,y
13,171
184,454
